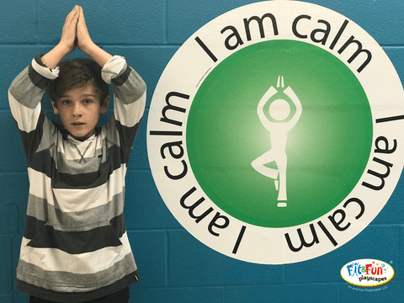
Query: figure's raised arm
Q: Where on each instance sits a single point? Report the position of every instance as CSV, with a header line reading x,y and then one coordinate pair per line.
x,y
291,94
260,109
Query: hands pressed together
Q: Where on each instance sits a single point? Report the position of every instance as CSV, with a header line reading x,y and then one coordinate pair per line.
x,y
75,34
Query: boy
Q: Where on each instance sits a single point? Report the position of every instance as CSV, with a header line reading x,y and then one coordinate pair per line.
x,y
75,247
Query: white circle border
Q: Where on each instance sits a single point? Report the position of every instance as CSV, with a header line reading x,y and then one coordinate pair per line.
x,y
184,74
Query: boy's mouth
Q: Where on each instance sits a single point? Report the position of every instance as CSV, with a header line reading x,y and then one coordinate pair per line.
x,y
77,123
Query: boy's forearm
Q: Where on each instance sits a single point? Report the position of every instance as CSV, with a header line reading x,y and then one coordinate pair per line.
x,y
59,52
86,44
67,40
98,54
54,56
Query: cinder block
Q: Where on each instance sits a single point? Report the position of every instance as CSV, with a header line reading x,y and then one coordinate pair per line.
x,y
150,251
124,22
399,266
375,242
14,189
144,208
331,4
6,299
8,217
11,152
139,159
5,265
191,263
392,292
15,256
310,293
185,17
179,295
396,54
17,22
20,298
382,20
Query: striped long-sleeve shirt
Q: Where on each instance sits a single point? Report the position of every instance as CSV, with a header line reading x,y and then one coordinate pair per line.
x,y
75,246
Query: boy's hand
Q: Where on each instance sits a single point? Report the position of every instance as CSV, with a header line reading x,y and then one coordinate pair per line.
x,y
69,38
83,37
86,45
75,33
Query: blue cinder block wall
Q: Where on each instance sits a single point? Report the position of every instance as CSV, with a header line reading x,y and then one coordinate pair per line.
x,y
174,267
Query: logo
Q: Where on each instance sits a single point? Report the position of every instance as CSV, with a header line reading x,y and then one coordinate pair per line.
x,y
367,273
274,132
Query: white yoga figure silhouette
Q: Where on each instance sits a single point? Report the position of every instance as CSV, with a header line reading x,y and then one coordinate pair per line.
x,y
279,110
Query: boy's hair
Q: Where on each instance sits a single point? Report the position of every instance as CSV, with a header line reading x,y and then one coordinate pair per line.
x,y
78,73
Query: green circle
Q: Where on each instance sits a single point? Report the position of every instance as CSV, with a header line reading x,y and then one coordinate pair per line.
x,y
327,150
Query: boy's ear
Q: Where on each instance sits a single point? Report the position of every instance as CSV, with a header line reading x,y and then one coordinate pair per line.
x,y
55,107
104,107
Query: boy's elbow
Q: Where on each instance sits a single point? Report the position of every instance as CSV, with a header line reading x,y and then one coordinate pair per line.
x,y
140,86
140,82
143,87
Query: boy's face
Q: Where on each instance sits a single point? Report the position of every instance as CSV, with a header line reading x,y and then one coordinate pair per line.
x,y
79,110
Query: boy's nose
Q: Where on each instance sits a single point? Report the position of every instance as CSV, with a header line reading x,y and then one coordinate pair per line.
x,y
77,110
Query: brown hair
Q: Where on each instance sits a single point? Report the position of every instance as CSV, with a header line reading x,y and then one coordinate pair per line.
x,y
78,73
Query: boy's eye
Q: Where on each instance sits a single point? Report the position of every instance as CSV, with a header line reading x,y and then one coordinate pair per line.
x,y
65,102
87,101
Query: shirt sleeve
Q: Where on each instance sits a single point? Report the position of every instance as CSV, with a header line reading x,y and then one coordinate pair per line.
x,y
26,92
25,95
129,98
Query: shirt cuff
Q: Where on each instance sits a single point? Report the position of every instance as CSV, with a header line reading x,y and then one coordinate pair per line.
x,y
113,68
43,70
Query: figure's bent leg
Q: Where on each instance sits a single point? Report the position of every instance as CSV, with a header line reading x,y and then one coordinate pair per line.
x,y
259,165
282,162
